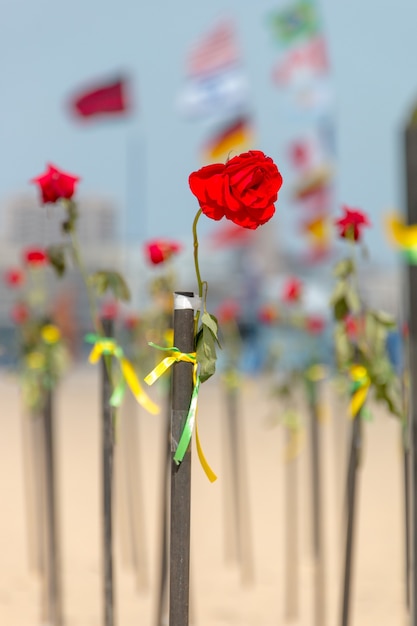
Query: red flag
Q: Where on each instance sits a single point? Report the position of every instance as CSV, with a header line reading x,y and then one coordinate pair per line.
x,y
102,99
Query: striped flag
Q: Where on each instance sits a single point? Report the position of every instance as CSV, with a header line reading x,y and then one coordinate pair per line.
x,y
215,81
215,52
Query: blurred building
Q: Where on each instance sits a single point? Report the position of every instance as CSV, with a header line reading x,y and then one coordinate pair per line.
x,y
26,224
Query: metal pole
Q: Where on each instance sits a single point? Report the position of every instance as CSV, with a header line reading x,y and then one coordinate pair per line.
x,y
108,415
182,387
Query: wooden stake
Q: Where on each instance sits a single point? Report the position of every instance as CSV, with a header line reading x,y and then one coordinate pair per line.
x,y
240,488
182,387
108,415
411,195
164,527
316,494
354,459
53,570
291,535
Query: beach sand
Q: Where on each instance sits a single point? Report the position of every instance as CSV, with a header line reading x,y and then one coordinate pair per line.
x,y
254,590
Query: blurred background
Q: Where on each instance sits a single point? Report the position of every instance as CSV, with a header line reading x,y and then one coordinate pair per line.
x,y
324,90
133,97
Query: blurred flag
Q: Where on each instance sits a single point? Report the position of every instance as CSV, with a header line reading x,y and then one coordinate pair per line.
x,y
105,98
318,232
296,22
315,185
215,80
236,135
303,60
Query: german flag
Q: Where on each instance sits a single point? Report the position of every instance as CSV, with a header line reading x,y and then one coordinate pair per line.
x,y
234,137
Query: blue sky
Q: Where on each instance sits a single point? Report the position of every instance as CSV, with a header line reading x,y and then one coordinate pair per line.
x,y
48,49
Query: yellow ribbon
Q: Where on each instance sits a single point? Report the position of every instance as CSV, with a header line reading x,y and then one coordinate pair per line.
x,y
360,377
174,357
404,236
105,345
296,436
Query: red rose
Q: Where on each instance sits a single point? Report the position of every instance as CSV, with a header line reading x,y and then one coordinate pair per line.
x,y
14,277
131,321
19,313
351,224
55,184
315,324
229,310
267,314
160,250
292,290
35,257
109,310
243,190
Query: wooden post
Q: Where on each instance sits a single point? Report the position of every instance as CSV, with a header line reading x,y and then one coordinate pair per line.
x,y
108,415
411,197
182,388
53,571
164,534
354,459
316,494
240,486
291,601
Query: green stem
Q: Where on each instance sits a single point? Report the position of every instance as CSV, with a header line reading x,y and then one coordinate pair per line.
x,y
196,263
91,300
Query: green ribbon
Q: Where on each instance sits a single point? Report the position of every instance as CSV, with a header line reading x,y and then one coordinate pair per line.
x,y
188,429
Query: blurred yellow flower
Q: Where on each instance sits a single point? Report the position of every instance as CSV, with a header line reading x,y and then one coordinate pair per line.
x,y
50,333
35,360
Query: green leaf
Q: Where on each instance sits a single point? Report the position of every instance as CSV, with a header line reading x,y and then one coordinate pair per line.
x,y
338,300
103,281
68,225
344,349
206,352
56,257
352,300
384,319
343,269
211,322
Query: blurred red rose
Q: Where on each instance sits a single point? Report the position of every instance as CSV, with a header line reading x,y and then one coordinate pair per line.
x,y
243,190
229,310
160,250
315,324
351,224
35,257
19,313
131,321
267,314
55,184
354,326
292,290
14,277
109,310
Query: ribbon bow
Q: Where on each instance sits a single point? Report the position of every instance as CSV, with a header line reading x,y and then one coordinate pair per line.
x,y
174,357
360,387
107,345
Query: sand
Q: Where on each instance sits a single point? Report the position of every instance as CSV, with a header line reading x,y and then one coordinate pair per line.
x,y
224,591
